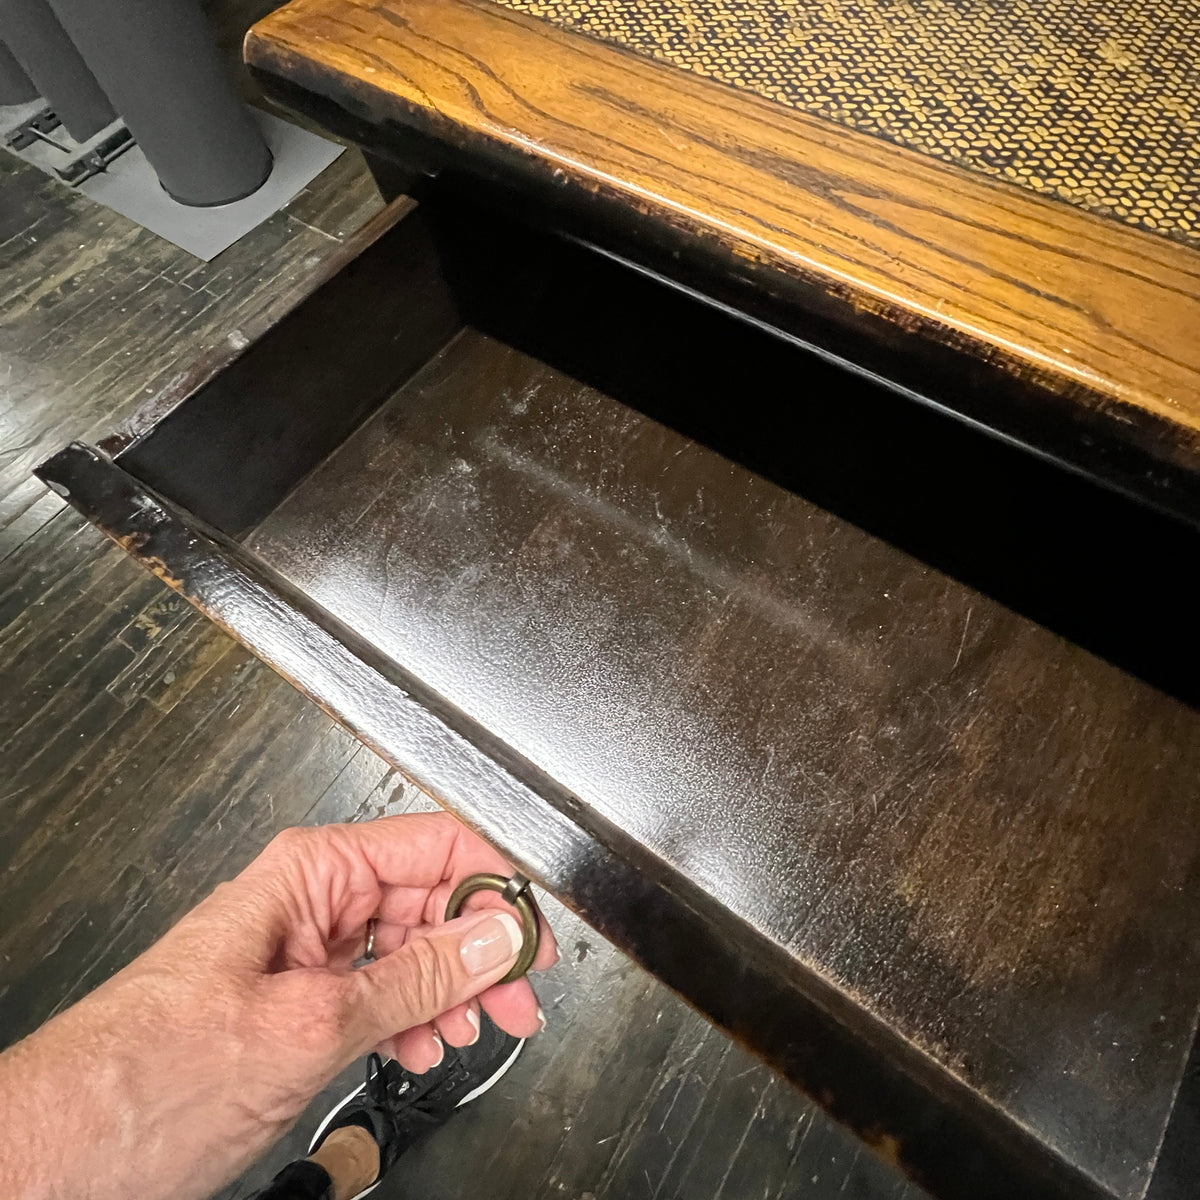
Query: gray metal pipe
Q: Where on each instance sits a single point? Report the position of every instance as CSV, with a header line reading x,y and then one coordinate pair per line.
x,y
158,61
15,86
38,42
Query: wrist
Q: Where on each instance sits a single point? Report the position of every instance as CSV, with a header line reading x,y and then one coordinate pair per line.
x,y
132,1090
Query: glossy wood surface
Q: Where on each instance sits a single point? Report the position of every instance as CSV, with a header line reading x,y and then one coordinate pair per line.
x,y
944,852
942,809
1099,319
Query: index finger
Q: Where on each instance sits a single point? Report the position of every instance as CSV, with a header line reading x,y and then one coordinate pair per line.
x,y
401,868
419,850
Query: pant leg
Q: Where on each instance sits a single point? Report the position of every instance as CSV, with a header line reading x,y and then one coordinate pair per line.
x,y
301,1180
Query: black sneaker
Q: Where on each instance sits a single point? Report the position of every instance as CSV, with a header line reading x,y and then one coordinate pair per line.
x,y
398,1108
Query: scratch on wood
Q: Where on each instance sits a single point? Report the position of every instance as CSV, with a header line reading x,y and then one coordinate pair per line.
x,y
963,640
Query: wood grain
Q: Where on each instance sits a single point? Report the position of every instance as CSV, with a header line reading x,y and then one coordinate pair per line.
x,y
1082,307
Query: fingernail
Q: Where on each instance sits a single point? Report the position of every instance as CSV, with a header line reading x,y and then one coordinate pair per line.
x,y
439,1049
491,944
541,1020
473,1020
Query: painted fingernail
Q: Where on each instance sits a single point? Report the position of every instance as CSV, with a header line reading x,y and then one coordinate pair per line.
x,y
439,1048
473,1021
491,944
541,1019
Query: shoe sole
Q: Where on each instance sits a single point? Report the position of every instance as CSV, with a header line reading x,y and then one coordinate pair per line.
x,y
487,1085
499,1074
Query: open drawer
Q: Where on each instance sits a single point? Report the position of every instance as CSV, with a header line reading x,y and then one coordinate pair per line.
x,y
868,734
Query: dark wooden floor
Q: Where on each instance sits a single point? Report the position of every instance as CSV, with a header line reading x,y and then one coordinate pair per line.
x,y
146,756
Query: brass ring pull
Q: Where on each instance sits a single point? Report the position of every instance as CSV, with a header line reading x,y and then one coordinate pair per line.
x,y
514,891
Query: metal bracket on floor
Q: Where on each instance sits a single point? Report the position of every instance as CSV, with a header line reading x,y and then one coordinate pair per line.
x,y
34,129
97,158
42,140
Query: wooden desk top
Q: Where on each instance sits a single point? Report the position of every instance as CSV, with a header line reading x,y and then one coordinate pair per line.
x,y
1099,319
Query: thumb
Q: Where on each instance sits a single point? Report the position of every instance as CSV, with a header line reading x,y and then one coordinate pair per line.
x,y
431,973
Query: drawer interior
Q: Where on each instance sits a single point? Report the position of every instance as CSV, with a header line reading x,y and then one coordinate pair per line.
x,y
1100,568
910,702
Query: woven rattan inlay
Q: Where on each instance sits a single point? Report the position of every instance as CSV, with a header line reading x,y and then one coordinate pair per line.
x,y
1092,101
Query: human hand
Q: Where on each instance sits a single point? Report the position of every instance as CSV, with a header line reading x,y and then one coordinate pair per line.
x,y
306,902
208,1047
